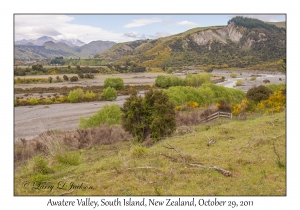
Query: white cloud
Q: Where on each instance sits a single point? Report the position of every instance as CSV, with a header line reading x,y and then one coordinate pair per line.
x,y
187,23
142,22
35,26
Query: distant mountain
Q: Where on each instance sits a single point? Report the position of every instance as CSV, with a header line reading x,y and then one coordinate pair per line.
x,y
25,50
242,43
40,41
72,42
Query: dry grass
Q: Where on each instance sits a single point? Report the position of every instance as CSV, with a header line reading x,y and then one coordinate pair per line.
x,y
253,151
53,143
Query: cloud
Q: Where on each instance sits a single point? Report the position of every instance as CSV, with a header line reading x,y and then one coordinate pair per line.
x,y
187,23
35,26
142,22
131,35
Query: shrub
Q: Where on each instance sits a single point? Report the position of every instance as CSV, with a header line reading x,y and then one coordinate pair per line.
x,y
258,93
253,77
68,158
224,106
66,78
116,83
34,101
139,151
76,95
109,115
170,70
162,81
152,115
241,107
40,165
239,82
197,79
15,102
109,94
74,79
89,95
266,81
233,75
206,94
275,103
276,87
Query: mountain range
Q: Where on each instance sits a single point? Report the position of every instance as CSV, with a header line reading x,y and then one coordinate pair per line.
x,y
46,47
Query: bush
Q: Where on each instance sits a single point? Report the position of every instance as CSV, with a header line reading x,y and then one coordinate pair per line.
x,y
239,82
68,158
224,106
74,79
66,78
89,95
109,94
206,94
76,95
107,115
40,165
253,77
139,151
276,87
33,101
233,75
162,81
170,70
197,79
16,102
116,83
152,115
259,93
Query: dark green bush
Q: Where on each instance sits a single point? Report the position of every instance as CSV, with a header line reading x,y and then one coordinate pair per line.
x,y
116,83
259,93
152,115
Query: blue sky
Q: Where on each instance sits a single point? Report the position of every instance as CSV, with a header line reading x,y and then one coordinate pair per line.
x,y
117,27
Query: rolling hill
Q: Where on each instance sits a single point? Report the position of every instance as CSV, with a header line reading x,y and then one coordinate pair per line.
x,y
243,42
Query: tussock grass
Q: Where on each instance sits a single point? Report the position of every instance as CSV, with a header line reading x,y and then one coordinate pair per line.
x,y
245,148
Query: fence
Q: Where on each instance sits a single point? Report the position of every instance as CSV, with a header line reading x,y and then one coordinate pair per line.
x,y
217,115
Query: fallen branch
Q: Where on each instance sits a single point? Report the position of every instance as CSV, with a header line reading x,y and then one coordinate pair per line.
x,y
272,123
221,170
171,147
174,159
210,141
275,137
146,167
249,143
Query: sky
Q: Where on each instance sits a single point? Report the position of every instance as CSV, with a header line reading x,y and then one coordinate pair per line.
x,y
118,27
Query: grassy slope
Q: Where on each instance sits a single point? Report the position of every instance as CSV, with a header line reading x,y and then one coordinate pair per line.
x,y
253,165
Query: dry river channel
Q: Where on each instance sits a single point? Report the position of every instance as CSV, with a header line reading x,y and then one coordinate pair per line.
x,y
30,121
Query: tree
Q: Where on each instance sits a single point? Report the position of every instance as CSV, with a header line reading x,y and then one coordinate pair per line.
x,y
152,115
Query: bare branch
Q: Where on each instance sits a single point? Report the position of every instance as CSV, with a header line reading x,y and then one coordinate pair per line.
x,y
171,147
210,141
271,123
174,159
